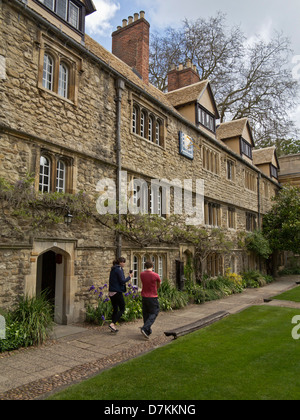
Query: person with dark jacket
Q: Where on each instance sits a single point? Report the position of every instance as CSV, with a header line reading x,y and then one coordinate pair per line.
x,y
117,286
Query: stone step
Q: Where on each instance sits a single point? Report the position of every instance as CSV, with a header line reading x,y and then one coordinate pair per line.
x,y
194,326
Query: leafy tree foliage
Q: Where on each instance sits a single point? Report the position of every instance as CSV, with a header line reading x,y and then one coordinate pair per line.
x,y
282,224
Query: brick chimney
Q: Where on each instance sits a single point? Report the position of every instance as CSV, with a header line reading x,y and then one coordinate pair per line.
x,y
182,76
130,43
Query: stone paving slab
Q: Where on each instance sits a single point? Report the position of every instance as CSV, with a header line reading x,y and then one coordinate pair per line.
x,y
78,352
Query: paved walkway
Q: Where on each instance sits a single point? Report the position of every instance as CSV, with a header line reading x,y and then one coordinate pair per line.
x,y
77,353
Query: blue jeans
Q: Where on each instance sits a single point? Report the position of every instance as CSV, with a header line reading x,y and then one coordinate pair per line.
x,y
150,312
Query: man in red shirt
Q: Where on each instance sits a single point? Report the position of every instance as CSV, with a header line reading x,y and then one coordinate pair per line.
x,y
150,282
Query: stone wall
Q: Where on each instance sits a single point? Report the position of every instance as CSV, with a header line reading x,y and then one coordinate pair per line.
x,y
83,130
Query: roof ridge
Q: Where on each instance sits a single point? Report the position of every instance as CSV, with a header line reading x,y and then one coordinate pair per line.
x,y
188,86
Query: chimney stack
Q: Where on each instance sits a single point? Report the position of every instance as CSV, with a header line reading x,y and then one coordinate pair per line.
x,y
182,76
130,43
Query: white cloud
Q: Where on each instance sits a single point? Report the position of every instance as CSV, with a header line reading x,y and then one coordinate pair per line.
x,y
295,116
264,32
98,23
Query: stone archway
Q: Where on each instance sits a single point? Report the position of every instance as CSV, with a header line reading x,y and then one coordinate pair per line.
x,y
52,267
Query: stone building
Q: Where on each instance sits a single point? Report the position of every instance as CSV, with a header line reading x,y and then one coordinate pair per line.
x,y
74,114
290,170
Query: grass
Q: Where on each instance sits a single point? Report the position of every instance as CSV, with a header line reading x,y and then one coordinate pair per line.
x,y
292,295
247,356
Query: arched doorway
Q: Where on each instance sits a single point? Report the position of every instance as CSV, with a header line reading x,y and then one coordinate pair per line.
x,y
50,279
65,285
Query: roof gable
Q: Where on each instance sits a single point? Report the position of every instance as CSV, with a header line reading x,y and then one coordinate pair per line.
x,y
235,128
193,93
265,155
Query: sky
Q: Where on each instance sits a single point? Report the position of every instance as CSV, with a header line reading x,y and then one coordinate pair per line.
x,y
254,17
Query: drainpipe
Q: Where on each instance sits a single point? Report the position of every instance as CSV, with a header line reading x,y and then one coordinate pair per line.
x,y
120,86
258,201
259,212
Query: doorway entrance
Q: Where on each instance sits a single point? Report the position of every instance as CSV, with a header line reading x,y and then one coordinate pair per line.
x,y
46,281
52,267
50,279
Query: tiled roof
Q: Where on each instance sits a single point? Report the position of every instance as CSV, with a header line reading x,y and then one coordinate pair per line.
x,y
264,155
231,129
187,94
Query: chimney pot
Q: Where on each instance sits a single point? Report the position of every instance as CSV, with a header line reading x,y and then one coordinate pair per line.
x,y
131,44
185,75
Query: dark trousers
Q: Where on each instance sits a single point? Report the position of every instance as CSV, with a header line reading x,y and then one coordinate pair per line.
x,y
150,312
118,305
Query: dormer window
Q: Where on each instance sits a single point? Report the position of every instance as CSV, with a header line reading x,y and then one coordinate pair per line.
x,y
273,171
246,148
206,119
68,10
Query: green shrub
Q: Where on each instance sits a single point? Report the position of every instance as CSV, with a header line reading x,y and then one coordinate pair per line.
x,y
195,292
30,323
170,297
35,317
133,304
289,271
255,279
14,335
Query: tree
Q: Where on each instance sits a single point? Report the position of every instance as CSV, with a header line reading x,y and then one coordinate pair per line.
x,y
281,225
249,79
150,230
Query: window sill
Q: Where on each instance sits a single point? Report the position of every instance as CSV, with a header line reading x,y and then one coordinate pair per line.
x,y
147,141
212,173
56,95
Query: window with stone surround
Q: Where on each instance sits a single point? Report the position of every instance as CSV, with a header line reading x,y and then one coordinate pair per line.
x,y
146,198
231,218
54,173
230,166
211,160
250,222
147,124
212,214
250,181
214,264
59,69
139,260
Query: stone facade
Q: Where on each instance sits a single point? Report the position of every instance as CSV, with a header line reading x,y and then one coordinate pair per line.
x,y
81,130
290,170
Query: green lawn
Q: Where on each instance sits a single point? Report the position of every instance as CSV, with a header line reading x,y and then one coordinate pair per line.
x,y
293,295
250,355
